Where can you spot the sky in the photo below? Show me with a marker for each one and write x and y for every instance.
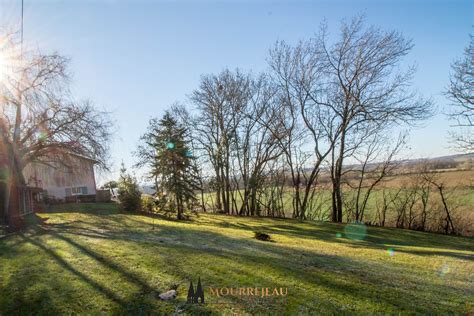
(136, 58)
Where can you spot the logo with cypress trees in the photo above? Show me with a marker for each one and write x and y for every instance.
(195, 297)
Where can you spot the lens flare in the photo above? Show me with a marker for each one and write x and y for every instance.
(10, 62)
(390, 252)
(3, 66)
(170, 145)
(356, 231)
(444, 269)
(338, 235)
(6, 61)
(43, 136)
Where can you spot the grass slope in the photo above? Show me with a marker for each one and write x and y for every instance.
(92, 259)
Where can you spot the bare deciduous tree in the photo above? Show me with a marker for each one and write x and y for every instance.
(461, 92)
(255, 144)
(218, 101)
(434, 180)
(41, 123)
(385, 204)
(374, 163)
(309, 127)
(360, 90)
(233, 128)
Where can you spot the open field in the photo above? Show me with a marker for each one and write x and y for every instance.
(464, 198)
(459, 190)
(92, 259)
(451, 178)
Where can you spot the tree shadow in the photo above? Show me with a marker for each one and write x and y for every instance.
(142, 302)
(67, 266)
(376, 237)
(15, 300)
(195, 242)
(181, 245)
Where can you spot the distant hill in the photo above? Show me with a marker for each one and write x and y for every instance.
(443, 163)
(451, 162)
(454, 159)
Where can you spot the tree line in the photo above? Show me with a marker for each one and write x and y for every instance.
(322, 126)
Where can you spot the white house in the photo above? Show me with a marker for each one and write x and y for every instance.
(64, 182)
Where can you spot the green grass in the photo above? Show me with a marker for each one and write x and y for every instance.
(91, 259)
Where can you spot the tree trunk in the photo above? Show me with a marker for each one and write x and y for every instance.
(179, 202)
(337, 176)
(448, 215)
(6, 202)
(14, 180)
(337, 198)
(334, 204)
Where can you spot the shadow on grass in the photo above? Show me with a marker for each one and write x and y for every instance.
(67, 266)
(143, 302)
(250, 263)
(320, 230)
(17, 299)
(194, 242)
(376, 238)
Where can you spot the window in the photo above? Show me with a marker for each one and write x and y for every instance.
(76, 191)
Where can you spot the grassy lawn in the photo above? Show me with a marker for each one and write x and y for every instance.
(92, 259)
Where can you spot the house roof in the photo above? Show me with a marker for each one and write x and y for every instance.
(84, 157)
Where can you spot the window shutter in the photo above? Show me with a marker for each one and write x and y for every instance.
(68, 192)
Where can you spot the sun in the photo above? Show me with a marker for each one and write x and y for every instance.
(5, 66)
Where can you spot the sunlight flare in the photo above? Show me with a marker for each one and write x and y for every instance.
(3, 66)
(10, 61)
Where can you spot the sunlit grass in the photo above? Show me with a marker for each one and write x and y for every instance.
(92, 259)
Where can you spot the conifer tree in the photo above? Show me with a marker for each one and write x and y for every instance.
(166, 151)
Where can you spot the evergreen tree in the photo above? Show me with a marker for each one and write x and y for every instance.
(166, 151)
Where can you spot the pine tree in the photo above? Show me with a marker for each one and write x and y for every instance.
(165, 149)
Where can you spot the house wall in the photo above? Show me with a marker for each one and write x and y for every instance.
(59, 180)
(3, 180)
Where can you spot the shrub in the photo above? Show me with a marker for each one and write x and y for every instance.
(128, 193)
(148, 204)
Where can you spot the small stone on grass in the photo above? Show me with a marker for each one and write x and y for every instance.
(171, 294)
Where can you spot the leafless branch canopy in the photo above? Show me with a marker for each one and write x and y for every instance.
(461, 93)
(40, 120)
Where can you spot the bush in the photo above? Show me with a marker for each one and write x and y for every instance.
(263, 236)
(148, 204)
(128, 193)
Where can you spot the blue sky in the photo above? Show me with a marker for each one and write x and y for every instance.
(135, 58)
